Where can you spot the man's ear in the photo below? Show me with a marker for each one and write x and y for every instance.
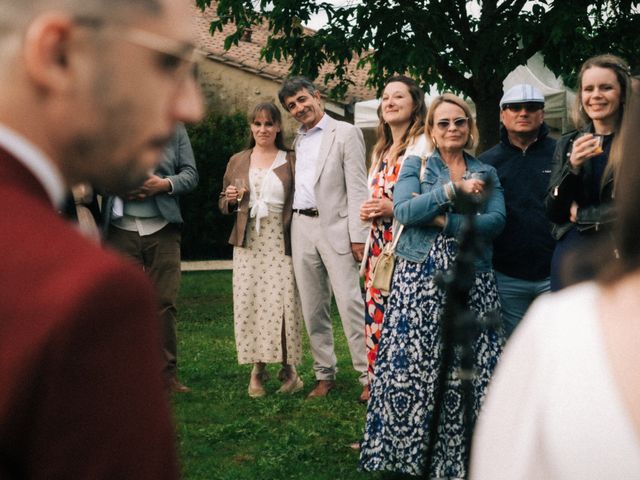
(46, 51)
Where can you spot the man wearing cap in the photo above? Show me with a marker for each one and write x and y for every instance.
(522, 252)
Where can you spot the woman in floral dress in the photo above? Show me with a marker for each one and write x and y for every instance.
(258, 188)
(403, 392)
(400, 133)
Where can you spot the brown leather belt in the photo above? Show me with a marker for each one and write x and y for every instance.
(309, 212)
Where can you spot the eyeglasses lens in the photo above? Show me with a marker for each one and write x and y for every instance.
(529, 107)
(458, 122)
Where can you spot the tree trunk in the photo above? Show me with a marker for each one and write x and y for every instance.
(488, 120)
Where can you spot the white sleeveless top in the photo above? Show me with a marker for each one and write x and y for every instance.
(553, 409)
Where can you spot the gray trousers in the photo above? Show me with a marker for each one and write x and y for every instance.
(319, 270)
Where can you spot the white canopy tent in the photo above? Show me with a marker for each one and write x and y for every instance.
(558, 99)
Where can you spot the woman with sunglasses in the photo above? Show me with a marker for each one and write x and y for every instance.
(579, 202)
(401, 115)
(426, 201)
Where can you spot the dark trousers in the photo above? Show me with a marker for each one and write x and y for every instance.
(159, 256)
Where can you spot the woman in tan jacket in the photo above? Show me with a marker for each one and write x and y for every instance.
(258, 189)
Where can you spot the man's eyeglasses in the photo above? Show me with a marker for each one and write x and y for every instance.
(530, 107)
(179, 57)
(458, 122)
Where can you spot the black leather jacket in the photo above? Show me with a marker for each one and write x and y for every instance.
(567, 186)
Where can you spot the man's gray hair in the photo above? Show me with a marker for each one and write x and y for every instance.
(293, 85)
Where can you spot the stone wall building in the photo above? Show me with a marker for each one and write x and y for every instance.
(236, 79)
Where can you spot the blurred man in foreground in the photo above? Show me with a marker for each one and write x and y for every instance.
(90, 91)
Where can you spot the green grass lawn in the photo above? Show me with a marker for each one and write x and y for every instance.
(224, 434)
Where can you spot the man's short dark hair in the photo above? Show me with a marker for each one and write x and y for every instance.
(293, 85)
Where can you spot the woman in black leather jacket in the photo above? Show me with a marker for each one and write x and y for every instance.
(580, 198)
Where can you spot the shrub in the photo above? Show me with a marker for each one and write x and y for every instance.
(206, 231)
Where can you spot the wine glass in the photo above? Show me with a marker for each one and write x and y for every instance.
(241, 185)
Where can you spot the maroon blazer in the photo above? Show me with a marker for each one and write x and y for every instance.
(81, 388)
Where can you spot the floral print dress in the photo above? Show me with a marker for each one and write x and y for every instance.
(266, 304)
(403, 391)
(381, 233)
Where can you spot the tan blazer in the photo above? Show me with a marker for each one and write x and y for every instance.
(341, 185)
(238, 167)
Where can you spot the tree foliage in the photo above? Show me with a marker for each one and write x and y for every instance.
(467, 47)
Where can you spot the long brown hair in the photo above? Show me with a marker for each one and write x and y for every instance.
(414, 130)
(626, 230)
(620, 68)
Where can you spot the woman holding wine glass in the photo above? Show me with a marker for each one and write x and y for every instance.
(258, 188)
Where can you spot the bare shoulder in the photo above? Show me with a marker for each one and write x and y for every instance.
(620, 323)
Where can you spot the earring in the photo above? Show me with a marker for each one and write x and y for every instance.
(472, 139)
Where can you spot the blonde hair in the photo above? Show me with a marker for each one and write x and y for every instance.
(414, 130)
(472, 139)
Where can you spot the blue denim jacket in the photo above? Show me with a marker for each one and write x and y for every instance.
(415, 212)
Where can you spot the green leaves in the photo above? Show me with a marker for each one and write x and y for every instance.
(447, 43)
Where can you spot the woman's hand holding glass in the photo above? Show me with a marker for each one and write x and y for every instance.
(376, 208)
(469, 186)
(235, 192)
(232, 194)
(585, 147)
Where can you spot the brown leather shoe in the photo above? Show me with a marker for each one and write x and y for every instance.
(364, 396)
(177, 387)
(322, 388)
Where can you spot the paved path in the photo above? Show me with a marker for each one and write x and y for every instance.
(206, 265)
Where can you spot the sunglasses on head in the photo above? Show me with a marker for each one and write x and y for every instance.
(528, 106)
(458, 122)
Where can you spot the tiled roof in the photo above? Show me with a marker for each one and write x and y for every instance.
(246, 55)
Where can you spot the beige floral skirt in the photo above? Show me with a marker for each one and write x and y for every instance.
(265, 297)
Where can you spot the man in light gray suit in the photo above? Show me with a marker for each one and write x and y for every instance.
(327, 236)
(146, 228)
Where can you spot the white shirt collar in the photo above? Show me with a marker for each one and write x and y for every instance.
(321, 125)
(36, 162)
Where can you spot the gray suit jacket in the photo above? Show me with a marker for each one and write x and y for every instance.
(178, 165)
(341, 185)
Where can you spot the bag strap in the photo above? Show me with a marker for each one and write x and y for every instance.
(396, 228)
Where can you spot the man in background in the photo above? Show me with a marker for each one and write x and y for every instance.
(327, 236)
(147, 230)
(522, 252)
(90, 91)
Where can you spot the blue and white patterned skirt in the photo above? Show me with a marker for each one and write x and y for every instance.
(402, 394)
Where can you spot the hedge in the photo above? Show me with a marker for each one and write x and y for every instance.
(206, 231)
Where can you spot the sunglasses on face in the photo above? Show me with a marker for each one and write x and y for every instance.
(458, 122)
(529, 107)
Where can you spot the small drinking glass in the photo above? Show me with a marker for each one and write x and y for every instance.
(241, 186)
(599, 146)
